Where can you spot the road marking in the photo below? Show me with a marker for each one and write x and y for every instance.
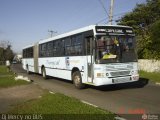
(88, 103)
(119, 118)
(52, 92)
(39, 96)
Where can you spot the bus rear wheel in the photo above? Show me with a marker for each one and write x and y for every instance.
(44, 73)
(77, 80)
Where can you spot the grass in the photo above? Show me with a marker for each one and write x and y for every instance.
(7, 78)
(3, 71)
(154, 76)
(58, 106)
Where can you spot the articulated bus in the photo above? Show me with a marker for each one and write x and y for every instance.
(95, 55)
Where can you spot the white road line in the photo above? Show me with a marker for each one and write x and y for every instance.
(88, 103)
(119, 118)
(52, 92)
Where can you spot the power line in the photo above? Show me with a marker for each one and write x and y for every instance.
(102, 4)
(119, 14)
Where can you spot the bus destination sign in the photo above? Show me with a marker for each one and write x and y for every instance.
(115, 30)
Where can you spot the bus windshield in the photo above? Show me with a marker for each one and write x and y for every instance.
(115, 49)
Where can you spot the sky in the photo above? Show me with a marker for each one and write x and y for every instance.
(24, 22)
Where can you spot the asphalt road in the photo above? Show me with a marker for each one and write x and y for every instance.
(124, 99)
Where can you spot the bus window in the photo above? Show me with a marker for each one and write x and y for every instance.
(50, 49)
(67, 41)
(63, 47)
(79, 39)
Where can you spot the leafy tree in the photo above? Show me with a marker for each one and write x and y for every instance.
(6, 52)
(155, 38)
(144, 19)
(2, 54)
(9, 55)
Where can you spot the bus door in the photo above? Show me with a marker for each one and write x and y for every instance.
(36, 55)
(89, 57)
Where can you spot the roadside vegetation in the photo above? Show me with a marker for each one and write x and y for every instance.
(153, 76)
(58, 106)
(145, 20)
(7, 78)
(3, 71)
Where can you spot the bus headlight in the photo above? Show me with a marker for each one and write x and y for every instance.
(100, 74)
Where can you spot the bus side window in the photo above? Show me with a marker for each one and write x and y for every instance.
(43, 50)
(55, 48)
(60, 48)
(63, 47)
(73, 46)
(76, 48)
(67, 46)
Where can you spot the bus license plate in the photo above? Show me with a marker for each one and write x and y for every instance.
(122, 80)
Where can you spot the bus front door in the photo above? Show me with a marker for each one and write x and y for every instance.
(89, 57)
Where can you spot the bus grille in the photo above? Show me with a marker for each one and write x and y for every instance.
(121, 73)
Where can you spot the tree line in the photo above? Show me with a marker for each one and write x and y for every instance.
(6, 52)
(145, 20)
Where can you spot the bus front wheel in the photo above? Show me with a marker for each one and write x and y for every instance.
(44, 73)
(77, 80)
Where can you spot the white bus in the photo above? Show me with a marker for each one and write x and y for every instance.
(94, 55)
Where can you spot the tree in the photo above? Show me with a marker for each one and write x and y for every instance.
(155, 38)
(9, 55)
(2, 54)
(6, 52)
(144, 19)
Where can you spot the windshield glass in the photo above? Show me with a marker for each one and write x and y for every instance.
(115, 49)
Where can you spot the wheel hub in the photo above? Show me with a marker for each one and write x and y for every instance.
(77, 79)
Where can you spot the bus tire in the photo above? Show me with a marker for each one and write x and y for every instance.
(44, 73)
(77, 80)
(28, 72)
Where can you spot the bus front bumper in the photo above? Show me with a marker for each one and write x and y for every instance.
(115, 80)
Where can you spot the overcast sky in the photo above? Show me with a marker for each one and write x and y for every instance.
(24, 22)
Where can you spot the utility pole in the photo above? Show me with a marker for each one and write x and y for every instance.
(51, 32)
(111, 12)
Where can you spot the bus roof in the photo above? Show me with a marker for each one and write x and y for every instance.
(84, 29)
(91, 27)
(28, 46)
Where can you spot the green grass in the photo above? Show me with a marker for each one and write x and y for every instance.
(7, 78)
(3, 70)
(155, 76)
(58, 106)
(9, 82)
